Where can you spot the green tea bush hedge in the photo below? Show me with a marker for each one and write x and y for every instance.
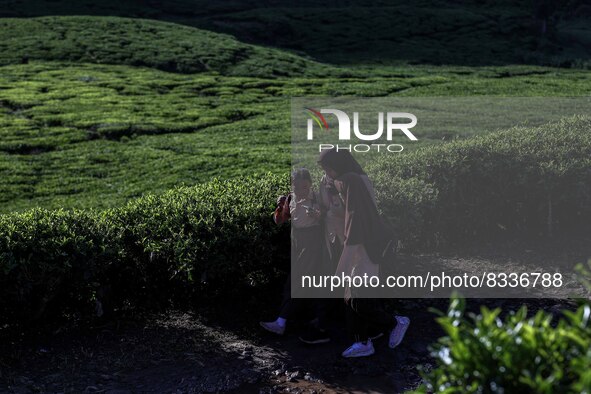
(55, 263)
(159, 248)
(522, 182)
(487, 354)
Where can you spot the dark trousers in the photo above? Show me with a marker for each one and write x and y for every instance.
(367, 317)
(290, 307)
(307, 247)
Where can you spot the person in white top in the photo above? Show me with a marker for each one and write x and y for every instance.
(306, 241)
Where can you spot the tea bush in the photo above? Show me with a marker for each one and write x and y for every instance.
(166, 247)
(522, 182)
(156, 248)
(486, 354)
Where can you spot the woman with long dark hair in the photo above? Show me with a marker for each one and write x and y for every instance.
(363, 231)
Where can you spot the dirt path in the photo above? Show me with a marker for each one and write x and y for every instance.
(221, 351)
(178, 352)
(181, 353)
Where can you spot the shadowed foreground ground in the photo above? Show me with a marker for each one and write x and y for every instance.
(223, 350)
(181, 353)
(178, 352)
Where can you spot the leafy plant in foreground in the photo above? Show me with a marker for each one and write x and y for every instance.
(483, 353)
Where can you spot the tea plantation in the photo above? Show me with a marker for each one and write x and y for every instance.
(169, 242)
(138, 149)
(76, 133)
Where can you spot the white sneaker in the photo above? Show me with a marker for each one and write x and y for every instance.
(273, 326)
(359, 349)
(397, 334)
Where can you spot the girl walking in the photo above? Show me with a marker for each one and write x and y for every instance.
(302, 207)
(363, 231)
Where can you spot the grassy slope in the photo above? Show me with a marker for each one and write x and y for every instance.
(86, 135)
(96, 135)
(160, 45)
(467, 32)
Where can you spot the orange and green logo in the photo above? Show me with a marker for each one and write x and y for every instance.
(318, 118)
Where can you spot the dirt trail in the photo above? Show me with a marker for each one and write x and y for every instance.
(223, 351)
(178, 352)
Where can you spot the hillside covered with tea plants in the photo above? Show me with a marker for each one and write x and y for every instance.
(159, 248)
(100, 113)
(143, 145)
(370, 32)
(95, 111)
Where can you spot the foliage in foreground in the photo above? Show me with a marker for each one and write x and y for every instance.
(483, 353)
